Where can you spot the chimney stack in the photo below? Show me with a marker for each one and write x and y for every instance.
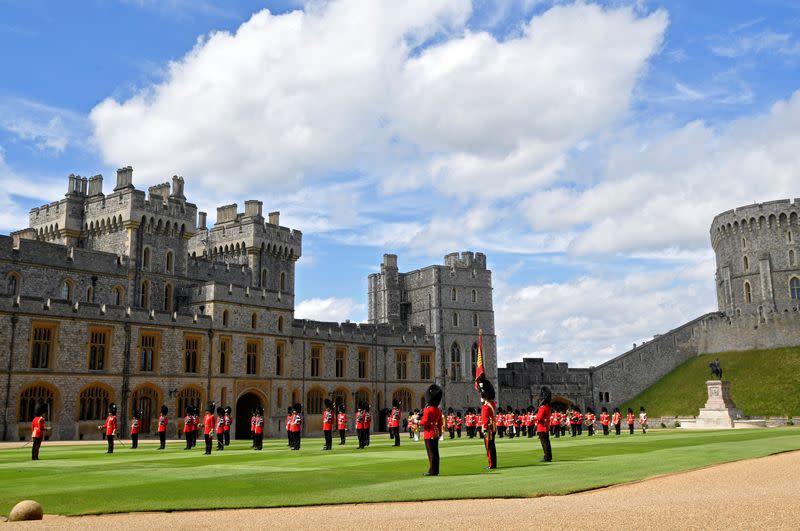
(124, 178)
(274, 218)
(202, 223)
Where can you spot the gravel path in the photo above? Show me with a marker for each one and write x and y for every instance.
(754, 494)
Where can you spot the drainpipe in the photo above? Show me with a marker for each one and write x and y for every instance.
(14, 320)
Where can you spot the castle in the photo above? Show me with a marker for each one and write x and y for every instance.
(758, 295)
(131, 298)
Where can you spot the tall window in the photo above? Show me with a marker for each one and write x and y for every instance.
(12, 286)
(168, 297)
(401, 364)
(146, 257)
(191, 353)
(89, 294)
(746, 263)
(144, 296)
(404, 397)
(30, 397)
(455, 319)
(363, 365)
(314, 402)
(794, 288)
(66, 290)
(279, 396)
(279, 358)
(474, 358)
(263, 278)
(119, 296)
(340, 354)
(280, 323)
(789, 236)
(252, 350)
(225, 318)
(43, 337)
(425, 366)
(454, 294)
(474, 296)
(188, 396)
(254, 320)
(283, 281)
(791, 257)
(98, 348)
(455, 362)
(93, 403)
(224, 354)
(747, 295)
(148, 348)
(475, 319)
(316, 360)
(169, 261)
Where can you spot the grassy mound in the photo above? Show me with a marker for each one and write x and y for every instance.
(84, 480)
(763, 383)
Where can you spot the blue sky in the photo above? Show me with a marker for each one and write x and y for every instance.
(584, 147)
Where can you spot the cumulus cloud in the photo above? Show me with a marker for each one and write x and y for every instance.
(330, 309)
(48, 128)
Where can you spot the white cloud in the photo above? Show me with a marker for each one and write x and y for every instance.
(330, 309)
(757, 43)
(48, 128)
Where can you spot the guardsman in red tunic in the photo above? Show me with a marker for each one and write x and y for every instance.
(643, 419)
(367, 423)
(187, 427)
(289, 419)
(258, 428)
(38, 429)
(136, 423)
(574, 421)
(616, 420)
(327, 425)
(208, 427)
(163, 421)
(529, 424)
(630, 418)
(220, 428)
(360, 425)
(541, 420)
(296, 425)
(110, 427)
(589, 420)
(604, 420)
(451, 423)
(509, 421)
(488, 421)
(228, 421)
(394, 422)
(518, 422)
(195, 424)
(432, 426)
(459, 423)
(341, 424)
(554, 431)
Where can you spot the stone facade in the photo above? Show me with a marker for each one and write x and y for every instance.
(133, 299)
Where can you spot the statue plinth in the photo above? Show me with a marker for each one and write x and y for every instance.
(720, 411)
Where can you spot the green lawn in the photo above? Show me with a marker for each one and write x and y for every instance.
(763, 383)
(84, 480)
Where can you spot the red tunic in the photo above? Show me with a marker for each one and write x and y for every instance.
(297, 422)
(111, 425)
(459, 422)
(616, 418)
(431, 422)
(220, 424)
(187, 424)
(359, 420)
(37, 427)
(162, 423)
(135, 427)
(258, 425)
(630, 418)
(227, 422)
(451, 421)
(394, 418)
(208, 424)
(327, 420)
(487, 416)
(542, 418)
(367, 420)
(341, 420)
(604, 418)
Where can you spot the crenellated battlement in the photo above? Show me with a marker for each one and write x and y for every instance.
(759, 216)
(384, 334)
(465, 260)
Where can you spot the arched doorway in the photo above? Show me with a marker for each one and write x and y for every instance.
(244, 410)
(147, 400)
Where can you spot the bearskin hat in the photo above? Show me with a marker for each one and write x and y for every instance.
(458, 413)
(576, 409)
(210, 407)
(450, 410)
(486, 389)
(516, 411)
(641, 408)
(298, 408)
(328, 404)
(589, 410)
(362, 405)
(433, 396)
(341, 408)
(112, 408)
(41, 409)
(509, 410)
(366, 405)
(545, 396)
(289, 410)
(616, 410)
(259, 411)
(137, 414)
(395, 402)
(530, 409)
(416, 411)
(228, 410)
(164, 409)
(604, 410)
(220, 410)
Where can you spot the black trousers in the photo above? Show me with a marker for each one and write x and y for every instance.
(162, 439)
(605, 429)
(531, 430)
(491, 451)
(134, 440)
(194, 438)
(544, 438)
(432, 446)
(220, 440)
(630, 427)
(290, 439)
(591, 430)
(557, 431)
(328, 438)
(342, 436)
(295, 439)
(458, 432)
(188, 436)
(580, 429)
(258, 441)
(366, 436)
(452, 432)
(617, 428)
(500, 431)
(361, 438)
(227, 437)
(209, 440)
(396, 436)
(37, 443)
(110, 441)
(574, 428)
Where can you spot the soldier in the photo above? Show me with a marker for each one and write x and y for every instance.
(253, 415)
(135, 424)
(258, 429)
(220, 428)
(529, 423)
(459, 423)
(631, 419)
(394, 422)
(163, 420)
(554, 431)
(643, 419)
(297, 426)
(488, 422)
(289, 420)
(360, 425)
(413, 425)
(432, 425)
(228, 421)
(38, 429)
(110, 427)
(187, 427)
(616, 420)
(518, 422)
(589, 420)
(451, 423)
(509, 422)
(208, 427)
(542, 416)
(341, 424)
(367, 423)
(604, 419)
(574, 421)
(327, 425)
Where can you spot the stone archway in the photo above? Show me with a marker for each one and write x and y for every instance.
(248, 401)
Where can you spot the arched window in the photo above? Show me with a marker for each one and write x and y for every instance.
(93, 403)
(794, 288)
(146, 257)
(339, 396)
(474, 296)
(606, 397)
(314, 402)
(263, 278)
(280, 323)
(13, 283)
(455, 319)
(119, 295)
(405, 397)
(747, 294)
(191, 354)
(474, 319)
(225, 317)
(145, 399)
(169, 261)
(744, 243)
(454, 294)
(252, 350)
(279, 358)
(789, 236)
(455, 362)
(254, 320)
(283, 281)
(66, 290)
(144, 296)
(32, 395)
(474, 358)
(362, 395)
(746, 263)
(188, 396)
(168, 297)
(791, 257)
(89, 294)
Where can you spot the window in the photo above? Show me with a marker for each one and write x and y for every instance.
(475, 319)
(791, 257)
(455, 362)
(340, 354)
(119, 296)
(279, 358)
(600, 397)
(99, 339)
(146, 400)
(254, 320)
(252, 349)
(43, 339)
(747, 295)
(263, 278)
(474, 359)
(279, 397)
(746, 264)
(401, 364)
(12, 285)
(148, 347)
(66, 290)
(606, 397)
(144, 296)
(191, 353)
(794, 288)
(146, 258)
(455, 319)
(363, 364)
(188, 396)
(224, 353)
(283, 281)
(93, 403)
(474, 296)
(280, 323)
(744, 243)
(168, 297)
(362, 395)
(225, 318)
(405, 398)
(316, 360)
(314, 402)
(30, 397)
(454, 294)
(339, 396)
(425, 366)
(169, 261)
(789, 236)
